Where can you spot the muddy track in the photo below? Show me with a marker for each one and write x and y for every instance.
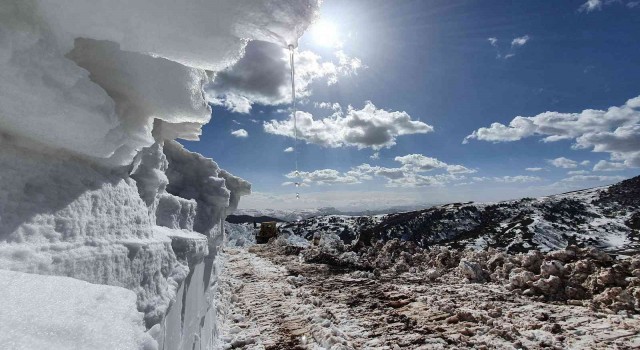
(288, 304)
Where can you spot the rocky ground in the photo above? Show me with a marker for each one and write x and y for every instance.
(402, 297)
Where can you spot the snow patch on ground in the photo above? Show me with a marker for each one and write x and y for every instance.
(52, 312)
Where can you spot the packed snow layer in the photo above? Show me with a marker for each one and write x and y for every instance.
(52, 312)
(60, 215)
(92, 95)
(193, 176)
(176, 212)
(206, 34)
(110, 68)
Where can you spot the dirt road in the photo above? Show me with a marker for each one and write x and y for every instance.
(276, 301)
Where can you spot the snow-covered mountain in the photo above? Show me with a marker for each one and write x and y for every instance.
(301, 214)
(604, 217)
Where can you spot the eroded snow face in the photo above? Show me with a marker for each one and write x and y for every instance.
(91, 77)
(89, 93)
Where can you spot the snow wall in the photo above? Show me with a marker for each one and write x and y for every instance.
(92, 184)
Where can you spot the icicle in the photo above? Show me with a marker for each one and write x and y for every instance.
(295, 117)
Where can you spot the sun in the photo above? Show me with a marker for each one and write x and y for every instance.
(325, 33)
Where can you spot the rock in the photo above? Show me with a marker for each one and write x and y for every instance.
(466, 331)
(472, 271)
(548, 286)
(606, 277)
(496, 260)
(562, 255)
(432, 274)
(452, 319)
(531, 261)
(552, 328)
(599, 255)
(521, 278)
(551, 268)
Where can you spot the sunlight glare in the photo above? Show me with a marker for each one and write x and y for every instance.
(325, 34)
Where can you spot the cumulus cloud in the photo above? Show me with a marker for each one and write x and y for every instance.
(328, 105)
(263, 76)
(508, 179)
(563, 162)
(288, 149)
(533, 169)
(368, 127)
(323, 177)
(580, 178)
(242, 133)
(604, 165)
(578, 172)
(410, 173)
(520, 41)
(615, 131)
(232, 102)
(518, 179)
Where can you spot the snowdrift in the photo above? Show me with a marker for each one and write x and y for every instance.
(93, 185)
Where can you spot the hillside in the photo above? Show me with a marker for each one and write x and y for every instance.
(605, 217)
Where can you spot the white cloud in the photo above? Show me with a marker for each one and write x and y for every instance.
(520, 41)
(324, 177)
(563, 162)
(615, 131)
(591, 5)
(288, 149)
(328, 105)
(533, 169)
(508, 179)
(232, 102)
(518, 179)
(493, 41)
(409, 174)
(585, 162)
(375, 155)
(262, 76)
(603, 165)
(578, 172)
(368, 127)
(577, 178)
(242, 133)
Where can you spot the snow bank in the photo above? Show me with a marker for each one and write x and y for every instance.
(51, 312)
(92, 95)
(110, 68)
(240, 235)
(193, 176)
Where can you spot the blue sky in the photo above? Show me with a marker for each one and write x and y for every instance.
(456, 67)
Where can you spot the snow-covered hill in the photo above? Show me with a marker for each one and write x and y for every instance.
(605, 217)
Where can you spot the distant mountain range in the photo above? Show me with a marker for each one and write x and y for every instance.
(604, 217)
(295, 215)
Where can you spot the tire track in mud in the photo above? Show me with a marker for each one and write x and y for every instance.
(268, 310)
(285, 303)
(407, 311)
